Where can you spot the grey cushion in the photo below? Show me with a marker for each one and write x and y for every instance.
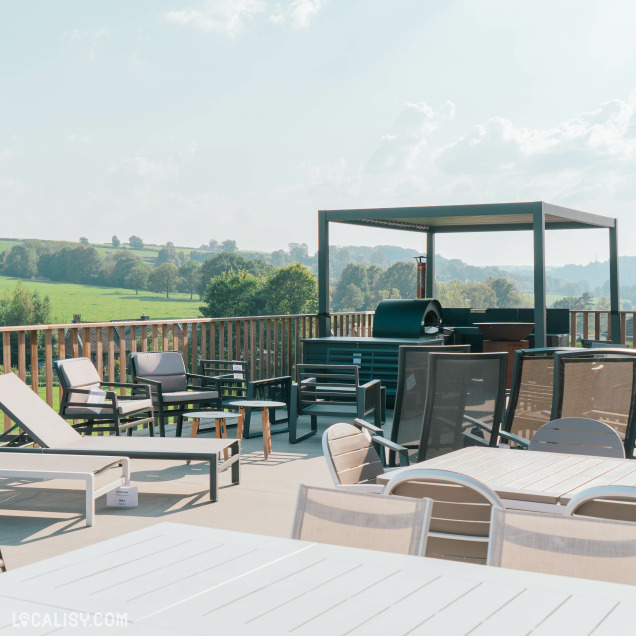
(166, 367)
(189, 396)
(78, 373)
(124, 407)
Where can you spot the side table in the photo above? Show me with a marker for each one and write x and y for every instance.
(264, 405)
(220, 423)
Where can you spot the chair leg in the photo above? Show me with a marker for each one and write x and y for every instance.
(179, 424)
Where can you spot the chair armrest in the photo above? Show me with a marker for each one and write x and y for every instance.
(472, 421)
(516, 439)
(155, 385)
(368, 389)
(139, 386)
(197, 376)
(268, 381)
(392, 446)
(372, 428)
(477, 441)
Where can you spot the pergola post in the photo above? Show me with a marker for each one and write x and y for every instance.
(538, 230)
(615, 318)
(323, 275)
(430, 264)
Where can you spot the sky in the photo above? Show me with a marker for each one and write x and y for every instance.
(190, 120)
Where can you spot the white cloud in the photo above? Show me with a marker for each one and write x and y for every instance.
(413, 126)
(231, 16)
(78, 139)
(298, 14)
(11, 186)
(93, 36)
(219, 15)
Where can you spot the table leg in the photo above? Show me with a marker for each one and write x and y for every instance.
(241, 419)
(221, 432)
(195, 427)
(267, 435)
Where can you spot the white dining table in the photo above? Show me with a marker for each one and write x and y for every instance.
(532, 480)
(171, 579)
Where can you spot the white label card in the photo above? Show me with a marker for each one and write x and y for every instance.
(123, 497)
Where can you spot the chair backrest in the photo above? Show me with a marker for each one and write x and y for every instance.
(333, 385)
(232, 376)
(583, 547)
(460, 522)
(605, 502)
(460, 385)
(77, 373)
(578, 436)
(362, 520)
(410, 396)
(599, 384)
(531, 390)
(350, 455)
(33, 415)
(601, 344)
(166, 367)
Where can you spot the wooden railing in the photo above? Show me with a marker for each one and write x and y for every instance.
(271, 345)
(595, 325)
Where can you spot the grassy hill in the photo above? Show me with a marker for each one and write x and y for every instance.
(97, 304)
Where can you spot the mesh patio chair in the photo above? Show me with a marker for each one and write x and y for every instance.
(570, 546)
(84, 399)
(605, 502)
(598, 384)
(578, 436)
(173, 389)
(410, 396)
(465, 398)
(334, 390)
(362, 520)
(531, 390)
(353, 460)
(460, 521)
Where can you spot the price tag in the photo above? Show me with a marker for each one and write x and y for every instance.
(357, 358)
(237, 367)
(123, 497)
(410, 382)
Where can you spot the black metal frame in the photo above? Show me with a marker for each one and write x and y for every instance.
(221, 375)
(111, 421)
(362, 397)
(403, 351)
(607, 355)
(500, 401)
(163, 410)
(257, 390)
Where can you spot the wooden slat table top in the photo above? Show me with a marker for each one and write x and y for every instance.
(178, 579)
(534, 476)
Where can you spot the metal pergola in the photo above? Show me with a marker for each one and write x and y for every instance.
(493, 217)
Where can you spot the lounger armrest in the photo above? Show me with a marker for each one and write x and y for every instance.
(522, 442)
(372, 428)
(392, 446)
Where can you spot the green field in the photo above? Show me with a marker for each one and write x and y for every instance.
(97, 304)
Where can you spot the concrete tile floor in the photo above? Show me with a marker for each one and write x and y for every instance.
(42, 519)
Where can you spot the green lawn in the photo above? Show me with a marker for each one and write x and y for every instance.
(97, 304)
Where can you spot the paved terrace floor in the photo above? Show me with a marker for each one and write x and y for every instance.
(42, 519)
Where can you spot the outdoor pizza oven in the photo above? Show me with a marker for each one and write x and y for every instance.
(401, 318)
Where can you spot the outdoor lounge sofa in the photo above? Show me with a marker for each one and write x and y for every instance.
(63, 467)
(47, 429)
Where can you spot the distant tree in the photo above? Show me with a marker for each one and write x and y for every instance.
(167, 254)
(135, 242)
(506, 293)
(228, 246)
(213, 245)
(189, 273)
(116, 242)
(291, 290)
(122, 263)
(299, 252)
(74, 265)
(351, 298)
(164, 278)
(279, 258)
(401, 276)
(138, 277)
(22, 307)
(584, 301)
(83, 240)
(21, 262)
(231, 294)
(353, 274)
(225, 262)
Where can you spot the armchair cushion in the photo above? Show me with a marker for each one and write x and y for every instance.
(166, 367)
(189, 396)
(124, 407)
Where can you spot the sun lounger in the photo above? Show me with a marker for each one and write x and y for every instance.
(30, 466)
(47, 429)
